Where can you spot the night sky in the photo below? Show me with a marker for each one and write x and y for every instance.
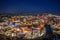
(30, 6)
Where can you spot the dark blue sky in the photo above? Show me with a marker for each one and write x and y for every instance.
(29, 6)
